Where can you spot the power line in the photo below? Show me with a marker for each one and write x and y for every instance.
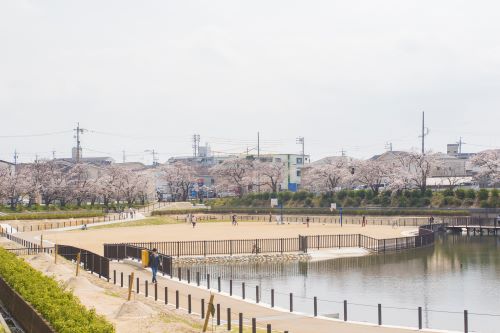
(33, 135)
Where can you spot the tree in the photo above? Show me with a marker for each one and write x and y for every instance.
(12, 186)
(372, 173)
(270, 174)
(179, 178)
(234, 173)
(488, 163)
(413, 169)
(328, 177)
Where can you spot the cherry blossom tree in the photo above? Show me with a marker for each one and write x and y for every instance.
(373, 173)
(488, 163)
(269, 174)
(179, 178)
(12, 186)
(412, 169)
(329, 176)
(234, 174)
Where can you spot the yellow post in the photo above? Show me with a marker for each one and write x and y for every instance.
(77, 262)
(55, 254)
(210, 311)
(130, 284)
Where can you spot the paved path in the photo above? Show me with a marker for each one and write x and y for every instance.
(280, 320)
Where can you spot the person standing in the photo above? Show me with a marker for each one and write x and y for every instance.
(270, 217)
(307, 221)
(235, 221)
(193, 222)
(363, 224)
(155, 262)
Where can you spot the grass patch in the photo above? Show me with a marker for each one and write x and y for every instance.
(140, 223)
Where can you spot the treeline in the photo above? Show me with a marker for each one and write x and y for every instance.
(458, 198)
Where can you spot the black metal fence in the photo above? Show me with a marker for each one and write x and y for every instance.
(123, 251)
(26, 251)
(91, 262)
(272, 245)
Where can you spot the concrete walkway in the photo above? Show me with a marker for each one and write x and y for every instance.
(280, 319)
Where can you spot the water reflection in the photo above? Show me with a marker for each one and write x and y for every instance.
(459, 272)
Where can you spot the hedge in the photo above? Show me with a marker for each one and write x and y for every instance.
(49, 216)
(319, 211)
(60, 308)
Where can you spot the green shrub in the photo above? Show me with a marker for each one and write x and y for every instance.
(460, 193)
(60, 308)
(341, 195)
(470, 194)
(482, 194)
(494, 193)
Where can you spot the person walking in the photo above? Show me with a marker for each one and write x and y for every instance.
(193, 222)
(270, 217)
(235, 221)
(307, 221)
(154, 262)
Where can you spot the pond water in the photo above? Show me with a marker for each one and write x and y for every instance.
(458, 273)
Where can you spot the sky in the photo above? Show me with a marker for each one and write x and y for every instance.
(345, 75)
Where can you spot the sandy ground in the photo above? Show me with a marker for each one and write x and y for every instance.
(93, 240)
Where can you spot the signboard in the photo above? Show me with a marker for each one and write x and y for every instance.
(274, 202)
(333, 206)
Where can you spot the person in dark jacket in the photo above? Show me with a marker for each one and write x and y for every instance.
(155, 263)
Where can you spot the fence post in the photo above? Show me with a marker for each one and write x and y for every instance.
(177, 299)
(256, 294)
(419, 317)
(198, 279)
(179, 273)
(189, 303)
(121, 279)
(189, 276)
(146, 286)
(272, 298)
(166, 295)
(243, 290)
(291, 302)
(218, 314)
(230, 287)
(137, 285)
(240, 322)
(202, 308)
(156, 291)
(114, 276)
(254, 325)
(229, 319)
(218, 284)
(345, 310)
(380, 314)
(315, 306)
(269, 328)
(208, 281)
(466, 321)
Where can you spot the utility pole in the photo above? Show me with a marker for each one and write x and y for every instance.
(300, 140)
(154, 153)
(258, 158)
(16, 155)
(53, 154)
(196, 145)
(78, 145)
(423, 135)
(123, 156)
(388, 146)
(460, 143)
(258, 144)
(343, 152)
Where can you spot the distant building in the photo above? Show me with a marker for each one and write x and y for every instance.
(294, 163)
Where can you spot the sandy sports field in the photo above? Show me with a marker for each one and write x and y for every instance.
(93, 240)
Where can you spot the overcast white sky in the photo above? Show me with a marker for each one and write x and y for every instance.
(350, 74)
